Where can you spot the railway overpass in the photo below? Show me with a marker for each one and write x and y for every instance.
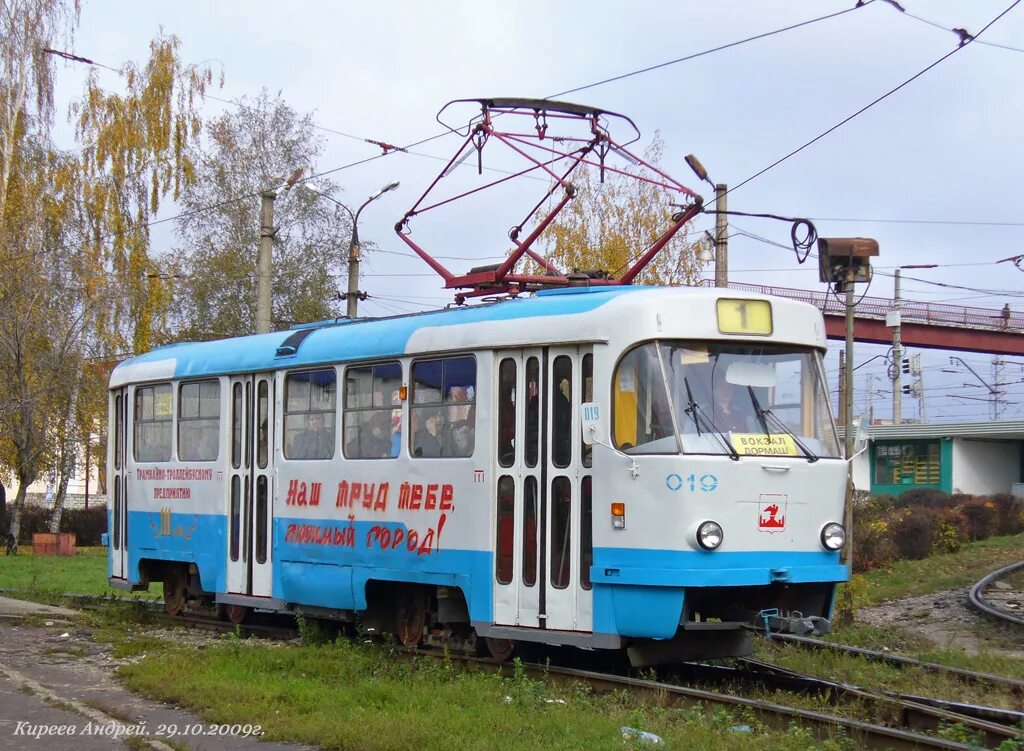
(924, 325)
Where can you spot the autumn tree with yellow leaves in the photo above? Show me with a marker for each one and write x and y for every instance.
(79, 286)
(609, 224)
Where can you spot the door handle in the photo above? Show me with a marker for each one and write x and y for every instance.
(775, 467)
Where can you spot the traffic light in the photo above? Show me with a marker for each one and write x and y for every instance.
(906, 365)
(906, 390)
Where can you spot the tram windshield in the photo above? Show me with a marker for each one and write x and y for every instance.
(723, 398)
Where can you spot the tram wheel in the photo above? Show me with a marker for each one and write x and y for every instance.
(238, 613)
(174, 590)
(410, 616)
(500, 649)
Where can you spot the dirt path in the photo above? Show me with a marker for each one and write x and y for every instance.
(945, 619)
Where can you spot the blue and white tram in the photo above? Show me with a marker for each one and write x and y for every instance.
(602, 467)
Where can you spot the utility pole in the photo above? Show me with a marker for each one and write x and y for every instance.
(352, 298)
(842, 389)
(897, 354)
(264, 261)
(721, 237)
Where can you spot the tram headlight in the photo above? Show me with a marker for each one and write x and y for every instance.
(833, 536)
(710, 535)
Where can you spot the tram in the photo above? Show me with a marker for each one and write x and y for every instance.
(600, 467)
(575, 460)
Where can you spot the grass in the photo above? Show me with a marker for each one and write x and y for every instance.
(938, 572)
(353, 695)
(47, 577)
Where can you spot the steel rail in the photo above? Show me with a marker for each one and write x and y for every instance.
(777, 716)
(919, 713)
(976, 596)
(1013, 684)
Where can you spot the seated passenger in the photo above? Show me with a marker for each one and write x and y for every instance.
(374, 439)
(427, 441)
(315, 442)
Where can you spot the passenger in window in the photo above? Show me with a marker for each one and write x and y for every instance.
(376, 437)
(428, 439)
(315, 442)
(562, 417)
(461, 435)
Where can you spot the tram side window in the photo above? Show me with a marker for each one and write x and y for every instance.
(199, 421)
(373, 411)
(309, 411)
(443, 413)
(153, 420)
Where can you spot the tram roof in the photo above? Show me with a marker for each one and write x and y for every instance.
(369, 338)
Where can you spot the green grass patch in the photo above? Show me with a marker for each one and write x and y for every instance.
(358, 696)
(937, 573)
(46, 577)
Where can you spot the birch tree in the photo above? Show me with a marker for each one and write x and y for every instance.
(250, 149)
(78, 282)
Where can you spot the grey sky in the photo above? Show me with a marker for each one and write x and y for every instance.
(947, 147)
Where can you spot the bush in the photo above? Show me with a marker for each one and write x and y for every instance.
(982, 516)
(1011, 514)
(929, 497)
(952, 531)
(873, 546)
(914, 531)
(87, 524)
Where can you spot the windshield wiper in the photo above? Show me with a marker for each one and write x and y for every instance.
(699, 417)
(763, 415)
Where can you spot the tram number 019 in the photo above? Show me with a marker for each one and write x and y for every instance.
(706, 483)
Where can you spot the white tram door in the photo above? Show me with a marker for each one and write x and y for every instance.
(119, 483)
(543, 535)
(251, 485)
(519, 473)
(566, 515)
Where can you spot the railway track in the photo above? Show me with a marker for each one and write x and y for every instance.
(1014, 685)
(995, 604)
(909, 719)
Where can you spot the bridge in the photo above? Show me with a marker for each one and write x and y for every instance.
(924, 325)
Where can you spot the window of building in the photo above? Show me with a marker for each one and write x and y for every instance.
(199, 421)
(916, 463)
(373, 411)
(153, 421)
(309, 412)
(443, 412)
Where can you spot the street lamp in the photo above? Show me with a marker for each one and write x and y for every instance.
(353, 294)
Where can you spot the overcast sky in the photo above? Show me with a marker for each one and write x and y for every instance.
(946, 148)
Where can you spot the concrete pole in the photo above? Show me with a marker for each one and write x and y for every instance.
(721, 237)
(897, 356)
(352, 298)
(264, 262)
(849, 362)
(842, 388)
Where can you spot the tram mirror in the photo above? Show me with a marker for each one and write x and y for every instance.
(860, 438)
(590, 419)
(756, 374)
